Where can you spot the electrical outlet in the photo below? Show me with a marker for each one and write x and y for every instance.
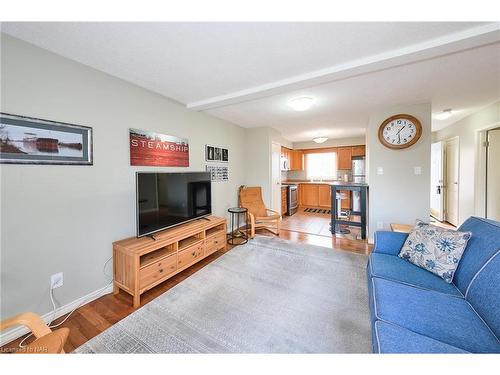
(417, 170)
(380, 170)
(380, 225)
(56, 280)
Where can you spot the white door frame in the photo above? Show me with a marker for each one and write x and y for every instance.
(438, 213)
(486, 174)
(446, 216)
(480, 170)
(276, 177)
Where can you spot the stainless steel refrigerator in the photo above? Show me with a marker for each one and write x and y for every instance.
(358, 175)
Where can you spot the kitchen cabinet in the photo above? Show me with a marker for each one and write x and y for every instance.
(315, 195)
(283, 200)
(344, 157)
(324, 196)
(358, 150)
(296, 160)
(345, 203)
(309, 195)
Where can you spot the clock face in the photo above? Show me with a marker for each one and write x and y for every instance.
(400, 131)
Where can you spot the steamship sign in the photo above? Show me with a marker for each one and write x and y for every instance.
(159, 150)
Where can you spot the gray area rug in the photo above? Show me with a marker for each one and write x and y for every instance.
(268, 296)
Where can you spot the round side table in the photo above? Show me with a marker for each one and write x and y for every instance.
(241, 236)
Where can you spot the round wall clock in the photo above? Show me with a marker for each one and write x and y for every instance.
(400, 131)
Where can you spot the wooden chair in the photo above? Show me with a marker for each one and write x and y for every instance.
(260, 216)
(47, 341)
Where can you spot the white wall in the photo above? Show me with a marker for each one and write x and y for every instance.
(471, 179)
(258, 142)
(64, 218)
(277, 137)
(398, 196)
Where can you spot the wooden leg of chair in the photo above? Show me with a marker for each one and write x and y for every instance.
(278, 225)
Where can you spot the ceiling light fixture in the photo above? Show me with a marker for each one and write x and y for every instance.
(301, 103)
(320, 139)
(446, 114)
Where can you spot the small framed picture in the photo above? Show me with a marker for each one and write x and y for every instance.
(217, 154)
(218, 173)
(209, 153)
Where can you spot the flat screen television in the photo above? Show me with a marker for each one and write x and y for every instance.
(168, 199)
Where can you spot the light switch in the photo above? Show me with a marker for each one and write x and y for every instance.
(417, 170)
(380, 170)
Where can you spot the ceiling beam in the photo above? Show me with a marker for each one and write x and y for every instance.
(453, 43)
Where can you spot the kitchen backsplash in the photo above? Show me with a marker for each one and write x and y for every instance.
(302, 175)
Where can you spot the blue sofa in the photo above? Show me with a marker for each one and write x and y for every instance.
(415, 311)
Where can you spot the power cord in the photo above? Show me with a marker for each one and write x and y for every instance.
(54, 308)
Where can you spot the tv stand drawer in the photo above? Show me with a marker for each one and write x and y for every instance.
(157, 271)
(190, 255)
(214, 243)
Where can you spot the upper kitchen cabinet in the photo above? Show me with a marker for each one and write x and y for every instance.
(344, 157)
(358, 150)
(292, 160)
(296, 160)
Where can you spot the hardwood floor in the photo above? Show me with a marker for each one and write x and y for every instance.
(91, 319)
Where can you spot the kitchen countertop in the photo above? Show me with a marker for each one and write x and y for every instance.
(337, 183)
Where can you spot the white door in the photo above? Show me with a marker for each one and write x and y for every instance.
(451, 181)
(276, 178)
(493, 175)
(437, 193)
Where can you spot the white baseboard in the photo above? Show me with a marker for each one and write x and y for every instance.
(19, 331)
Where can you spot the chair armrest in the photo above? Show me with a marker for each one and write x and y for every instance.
(389, 242)
(30, 320)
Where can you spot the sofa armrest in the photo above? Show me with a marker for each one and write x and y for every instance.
(389, 242)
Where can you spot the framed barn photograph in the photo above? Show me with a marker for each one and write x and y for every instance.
(28, 140)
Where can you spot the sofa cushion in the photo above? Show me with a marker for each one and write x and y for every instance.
(483, 293)
(436, 315)
(390, 338)
(396, 269)
(438, 250)
(484, 243)
(387, 242)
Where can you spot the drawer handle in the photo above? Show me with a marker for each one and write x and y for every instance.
(172, 267)
(161, 270)
(193, 253)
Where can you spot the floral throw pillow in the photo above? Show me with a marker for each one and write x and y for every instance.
(435, 249)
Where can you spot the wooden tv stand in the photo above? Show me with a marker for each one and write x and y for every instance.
(140, 264)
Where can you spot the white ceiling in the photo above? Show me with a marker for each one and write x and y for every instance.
(246, 72)
(466, 82)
